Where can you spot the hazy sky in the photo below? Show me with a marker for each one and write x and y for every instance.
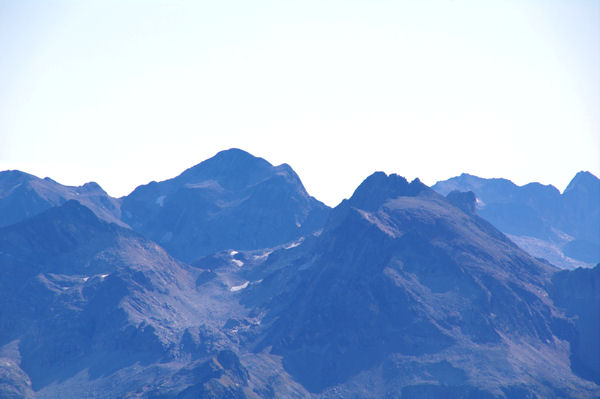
(124, 92)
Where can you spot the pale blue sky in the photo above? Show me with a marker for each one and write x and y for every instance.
(124, 92)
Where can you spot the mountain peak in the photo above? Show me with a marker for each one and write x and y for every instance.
(92, 186)
(232, 168)
(232, 200)
(11, 178)
(15, 173)
(234, 152)
(237, 156)
(379, 187)
(583, 180)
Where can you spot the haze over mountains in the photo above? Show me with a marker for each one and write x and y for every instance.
(231, 281)
(563, 228)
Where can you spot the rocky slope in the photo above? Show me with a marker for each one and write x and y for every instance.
(404, 292)
(91, 309)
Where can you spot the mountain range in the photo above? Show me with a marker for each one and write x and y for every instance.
(230, 281)
(563, 228)
(23, 195)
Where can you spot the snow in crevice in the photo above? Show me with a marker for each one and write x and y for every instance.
(103, 276)
(233, 252)
(239, 287)
(294, 244)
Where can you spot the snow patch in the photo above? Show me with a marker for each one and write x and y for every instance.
(233, 253)
(206, 184)
(103, 276)
(298, 224)
(237, 262)
(294, 244)
(263, 255)
(547, 250)
(85, 279)
(160, 201)
(239, 287)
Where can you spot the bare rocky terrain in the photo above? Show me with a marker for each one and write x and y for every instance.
(398, 292)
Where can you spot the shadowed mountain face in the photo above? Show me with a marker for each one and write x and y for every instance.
(23, 195)
(578, 293)
(233, 200)
(563, 228)
(407, 291)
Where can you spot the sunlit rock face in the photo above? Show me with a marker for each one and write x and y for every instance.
(411, 293)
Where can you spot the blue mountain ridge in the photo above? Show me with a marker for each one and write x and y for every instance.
(230, 281)
(563, 228)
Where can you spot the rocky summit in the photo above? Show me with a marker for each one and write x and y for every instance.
(232, 200)
(230, 281)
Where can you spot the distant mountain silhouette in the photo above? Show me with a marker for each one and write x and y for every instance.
(563, 228)
(232, 200)
(23, 195)
(414, 295)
